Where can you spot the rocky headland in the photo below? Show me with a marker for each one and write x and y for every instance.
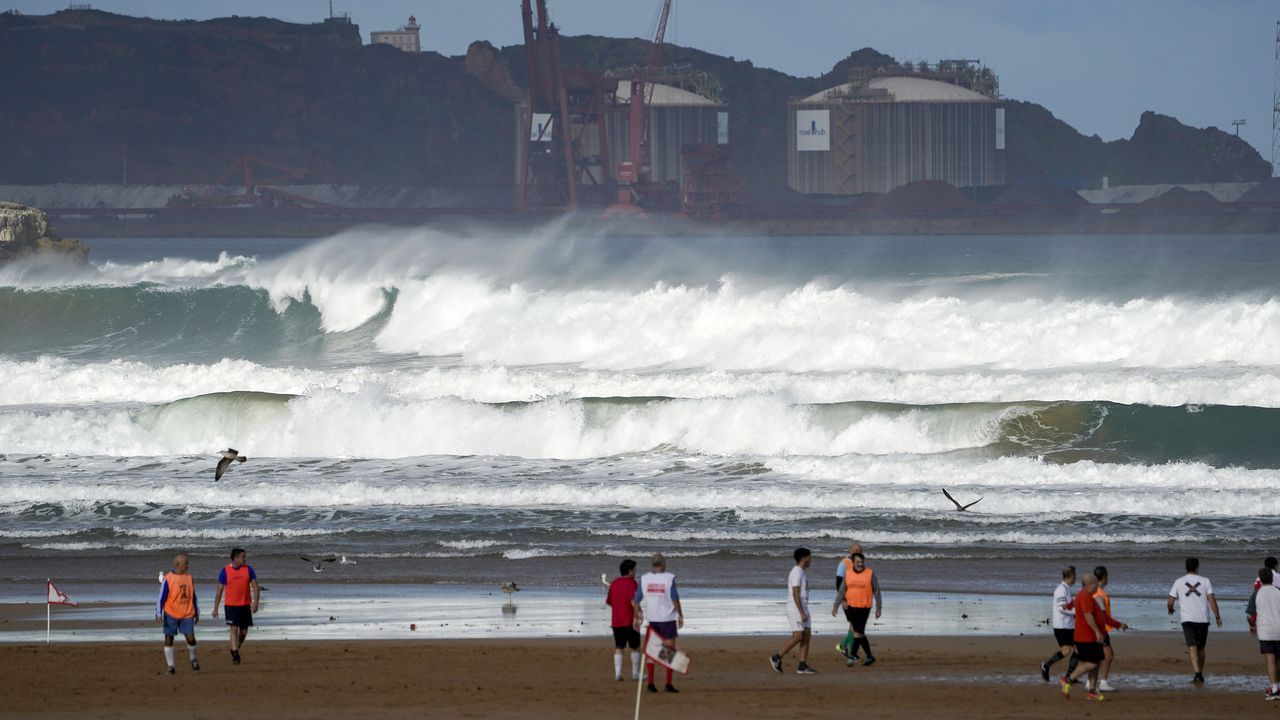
(25, 232)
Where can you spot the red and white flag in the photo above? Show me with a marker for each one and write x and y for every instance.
(664, 655)
(57, 597)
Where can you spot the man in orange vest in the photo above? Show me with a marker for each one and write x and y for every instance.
(177, 610)
(859, 591)
(241, 584)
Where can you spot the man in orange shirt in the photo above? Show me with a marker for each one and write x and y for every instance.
(1108, 650)
(241, 584)
(859, 592)
(1091, 624)
(177, 610)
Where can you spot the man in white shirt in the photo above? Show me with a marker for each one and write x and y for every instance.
(658, 602)
(1194, 595)
(1264, 614)
(1063, 622)
(798, 617)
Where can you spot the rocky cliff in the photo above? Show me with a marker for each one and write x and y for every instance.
(25, 232)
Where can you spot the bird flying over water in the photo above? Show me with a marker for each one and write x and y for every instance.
(959, 507)
(318, 563)
(229, 456)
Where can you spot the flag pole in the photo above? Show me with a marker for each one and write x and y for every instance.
(644, 662)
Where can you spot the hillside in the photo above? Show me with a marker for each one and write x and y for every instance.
(184, 99)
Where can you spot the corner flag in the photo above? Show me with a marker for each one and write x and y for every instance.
(57, 597)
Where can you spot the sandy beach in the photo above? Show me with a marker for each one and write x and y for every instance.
(571, 678)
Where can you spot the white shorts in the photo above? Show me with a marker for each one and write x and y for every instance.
(796, 624)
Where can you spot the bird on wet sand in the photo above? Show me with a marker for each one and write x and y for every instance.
(344, 561)
(229, 456)
(959, 507)
(604, 579)
(510, 586)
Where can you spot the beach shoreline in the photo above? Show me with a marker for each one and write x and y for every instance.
(969, 677)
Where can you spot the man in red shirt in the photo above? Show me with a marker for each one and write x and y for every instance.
(621, 591)
(1091, 629)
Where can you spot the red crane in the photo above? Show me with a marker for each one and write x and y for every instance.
(634, 180)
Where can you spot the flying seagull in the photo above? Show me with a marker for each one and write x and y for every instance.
(318, 563)
(959, 507)
(229, 456)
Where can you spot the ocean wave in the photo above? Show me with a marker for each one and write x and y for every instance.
(52, 380)
(369, 423)
(1019, 487)
(400, 295)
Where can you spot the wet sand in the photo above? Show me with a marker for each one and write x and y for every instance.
(572, 678)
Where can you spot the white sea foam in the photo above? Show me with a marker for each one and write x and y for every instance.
(370, 424)
(1017, 487)
(57, 381)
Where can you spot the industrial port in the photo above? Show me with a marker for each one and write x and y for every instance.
(886, 148)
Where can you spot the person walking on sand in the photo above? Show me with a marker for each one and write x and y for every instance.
(1264, 609)
(177, 610)
(1194, 595)
(846, 647)
(1270, 564)
(1063, 622)
(1088, 636)
(619, 596)
(798, 618)
(859, 590)
(241, 585)
(1108, 650)
(658, 602)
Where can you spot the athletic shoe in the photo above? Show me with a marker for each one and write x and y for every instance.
(1044, 671)
(869, 661)
(617, 678)
(844, 650)
(1096, 697)
(850, 662)
(235, 657)
(652, 688)
(1198, 678)
(1065, 682)
(172, 671)
(1270, 695)
(195, 666)
(775, 662)
(672, 688)
(804, 669)
(1104, 686)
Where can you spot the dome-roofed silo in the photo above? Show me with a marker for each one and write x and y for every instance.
(874, 134)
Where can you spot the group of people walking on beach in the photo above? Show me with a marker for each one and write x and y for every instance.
(1082, 622)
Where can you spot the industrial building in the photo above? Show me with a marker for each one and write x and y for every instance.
(876, 133)
(676, 118)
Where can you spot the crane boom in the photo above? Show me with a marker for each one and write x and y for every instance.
(633, 172)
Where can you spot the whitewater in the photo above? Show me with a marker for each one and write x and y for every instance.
(574, 393)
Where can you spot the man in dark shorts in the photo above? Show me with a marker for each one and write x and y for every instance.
(859, 592)
(1090, 632)
(1194, 595)
(621, 593)
(240, 583)
(1063, 622)
(657, 601)
(1264, 611)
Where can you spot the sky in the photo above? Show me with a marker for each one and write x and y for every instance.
(1097, 64)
